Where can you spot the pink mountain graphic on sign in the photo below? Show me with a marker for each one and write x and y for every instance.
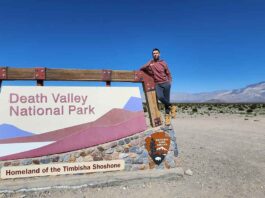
(114, 125)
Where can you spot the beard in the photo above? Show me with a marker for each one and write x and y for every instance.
(156, 58)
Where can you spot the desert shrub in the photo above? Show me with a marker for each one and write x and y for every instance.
(210, 108)
(194, 110)
(184, 107)
(221, 112)
(253, 106)
(240, 109)
(249, 111)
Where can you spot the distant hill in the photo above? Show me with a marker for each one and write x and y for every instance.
(10, 131)
(254, 93)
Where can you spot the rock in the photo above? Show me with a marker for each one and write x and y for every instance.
(97, 158)
(77, 154)
(128, 160)
(170, 159)
(126, 150)
(133, 155)
(188, 172)
(65, 158)
(167, 165)
(113, 144)
(142, 143)
(136, 137)
(121, 142)
(144, 154)
(135, 149)
(109, 151)
(106, 146)
(178, 162)
(166, 128)
(172, 135)
(83, 154)
(139, 151)
(171, 148)
(148, 133)
(142, 158)
(72, 158)
(142, 135)
(143, 167)
(119, 149)
(90, 150)
(176, 152)
(151, 164)
(107, 157)
(36, 161)
(55, 159)
(123, 155)
(88, 158)
(134, 143)
(100, 148)
(7, 163)
(127, 140)
(138, 160)
(26, 162)
(115, 156)
(97, 155)
(16, 163)
(80, 159)
(146, 160)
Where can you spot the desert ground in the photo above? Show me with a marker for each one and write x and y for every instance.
(223, 146)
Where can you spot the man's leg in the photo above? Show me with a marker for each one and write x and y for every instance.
(169, 108)
(160, 91)
(167, 87)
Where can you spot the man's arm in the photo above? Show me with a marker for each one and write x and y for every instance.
(146, 68)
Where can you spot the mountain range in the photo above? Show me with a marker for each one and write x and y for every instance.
(10, 131)
(254, 93)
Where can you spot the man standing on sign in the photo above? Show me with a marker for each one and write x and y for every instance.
(158, 69)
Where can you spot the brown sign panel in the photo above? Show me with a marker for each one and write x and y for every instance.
(157, 146)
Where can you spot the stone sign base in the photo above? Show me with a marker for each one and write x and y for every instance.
(131, 149)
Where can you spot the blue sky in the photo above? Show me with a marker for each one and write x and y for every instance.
(208, 45)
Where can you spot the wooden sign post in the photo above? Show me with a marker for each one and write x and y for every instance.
(42, 74)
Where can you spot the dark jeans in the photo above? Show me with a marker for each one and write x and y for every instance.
(163, 94)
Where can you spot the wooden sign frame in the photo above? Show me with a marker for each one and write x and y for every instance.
(42, 74)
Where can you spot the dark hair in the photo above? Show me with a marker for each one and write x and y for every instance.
(156, 49)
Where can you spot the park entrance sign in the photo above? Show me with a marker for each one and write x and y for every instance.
(48, 130)
(40, 121)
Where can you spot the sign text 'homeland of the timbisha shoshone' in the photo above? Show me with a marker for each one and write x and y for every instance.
(40, 121)
(61, 169)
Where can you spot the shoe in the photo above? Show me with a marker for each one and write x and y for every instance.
(167, 120)
(173, 111)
